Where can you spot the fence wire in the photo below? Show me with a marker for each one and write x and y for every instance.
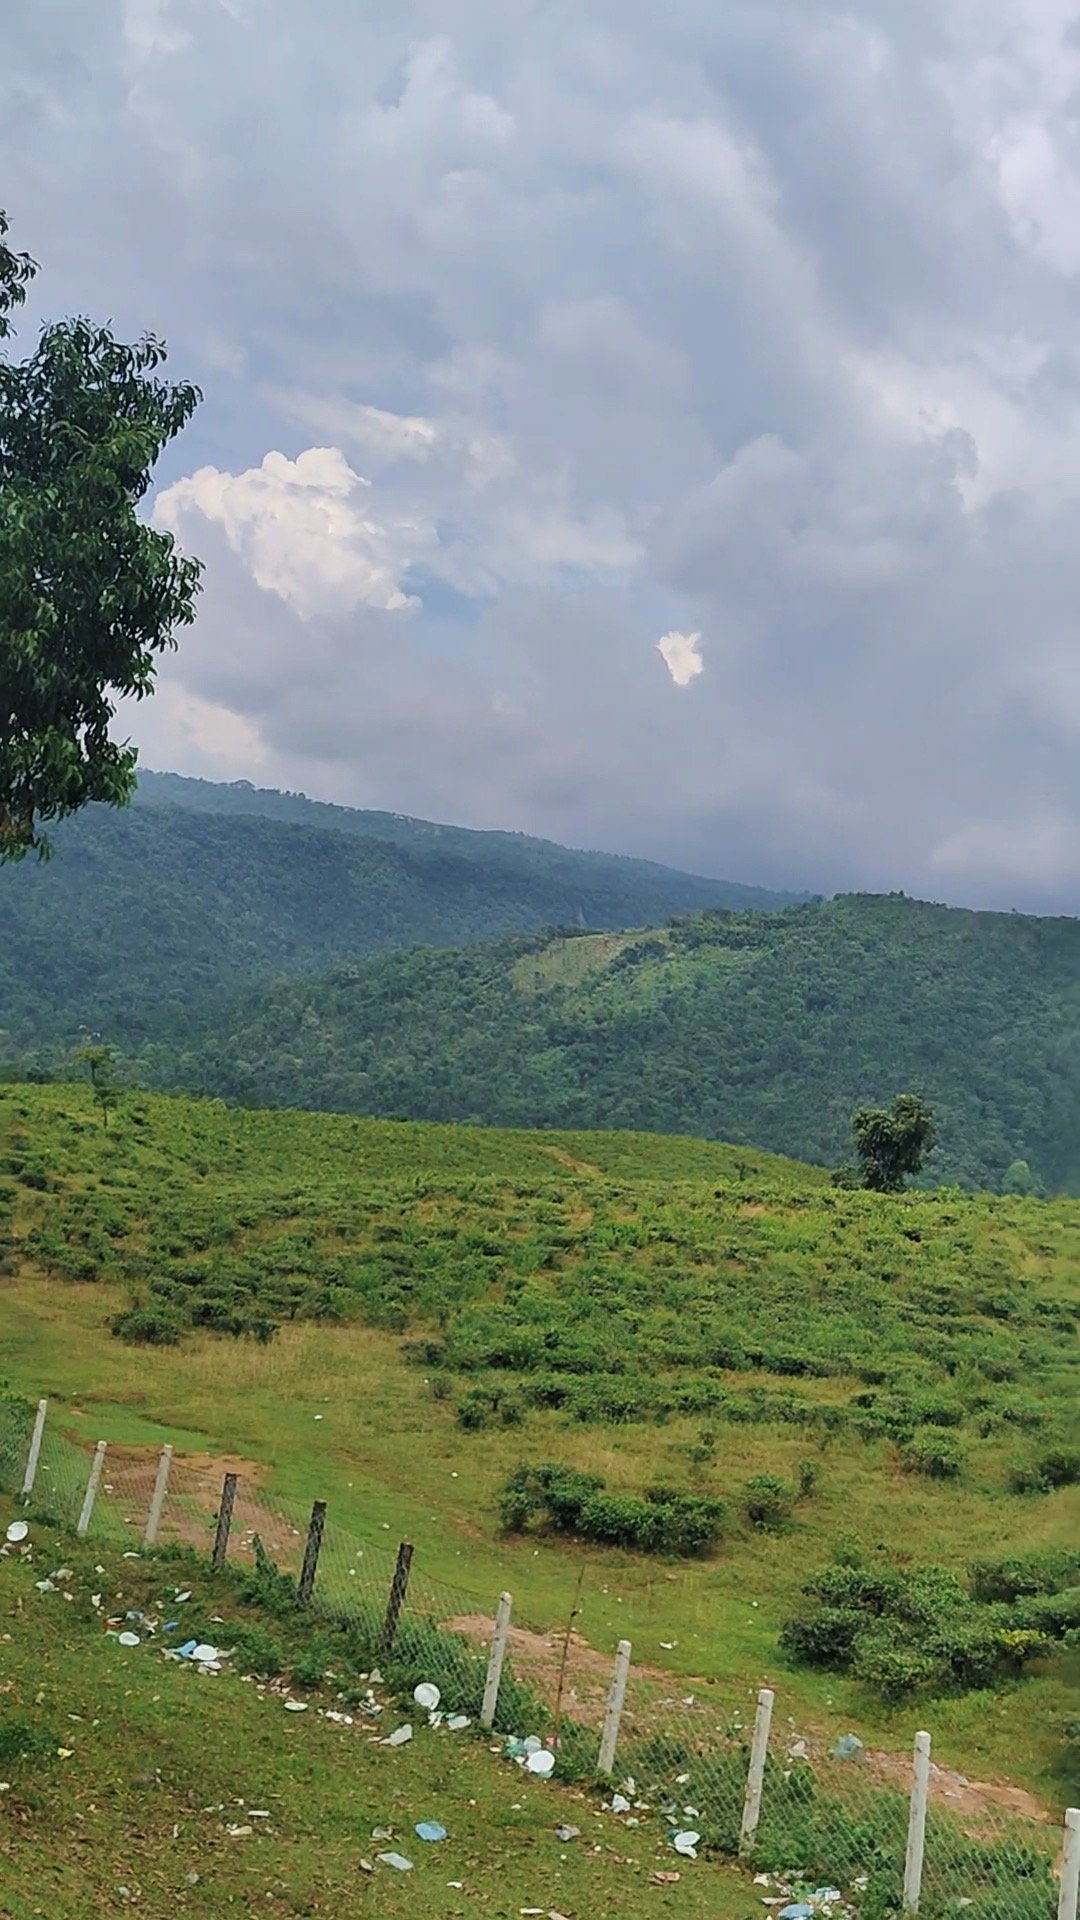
(833, 1820)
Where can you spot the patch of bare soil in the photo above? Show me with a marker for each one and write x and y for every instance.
(194, 1499)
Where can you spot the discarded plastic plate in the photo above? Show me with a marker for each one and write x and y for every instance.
(17, 1531)
(296, 1706)
(399, 1737)
(457, 1721)
(847, 1747)
(541, 1763)
(204, 1655)
(687, 1843)
(533, 1744)
(619, 1803)
(798, 1910)
(128, 1639)
(427, 1696)
(827, 1894)
(429, 1830)
(181, 1597)
(397, 1860)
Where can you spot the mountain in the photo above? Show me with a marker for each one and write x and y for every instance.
(762, 1028)
(200, 889)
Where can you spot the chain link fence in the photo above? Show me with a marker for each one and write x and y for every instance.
(826, 1826)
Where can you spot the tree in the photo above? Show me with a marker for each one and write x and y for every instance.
(89, 593)
(892, 1142)
(100, 1063)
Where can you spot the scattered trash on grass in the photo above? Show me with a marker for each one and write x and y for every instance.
(687, 1843)
(296, 1706)
(399, 1737)
(540, 1763)
(128, 1640)
(396, 1860)
(17, 1533)
(427, 1696)
(457, 1721)
(567, 1833)
(848, 1747)
(429, 1830)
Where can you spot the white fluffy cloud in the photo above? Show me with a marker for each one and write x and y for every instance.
(741, 321)
(304, 529)
(681, 656)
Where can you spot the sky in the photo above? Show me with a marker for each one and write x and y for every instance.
(652, 426)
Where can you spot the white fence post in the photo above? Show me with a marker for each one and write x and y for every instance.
(495, 1663)
(34, 1454)
(1070, 1866)
(755, 1779)
(616, 1701)
(916, 1839)
(158, 1501)
(91, 1488)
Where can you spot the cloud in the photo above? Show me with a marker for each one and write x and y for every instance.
(524, 339)
(679, 652)
(301, 529)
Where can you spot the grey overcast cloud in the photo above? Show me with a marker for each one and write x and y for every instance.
(656, 426)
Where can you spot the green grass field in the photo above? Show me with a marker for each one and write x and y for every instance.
(649, 1310)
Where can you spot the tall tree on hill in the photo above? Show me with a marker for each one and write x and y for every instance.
(89, 593)
(892, 1142)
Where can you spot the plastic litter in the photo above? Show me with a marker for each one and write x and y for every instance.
(619, 1803)
(687, 1843)
(532, 1744)
(427, 1696)
(457, 1721)
(17, 1531)
(399, 1737)
(567, 1833)
(848, 1747)
(205, 1655)
(664, 1879)
(429, 1830)
(798, 1910)
(541, 1763)
(396, 1860)
(128, 1639)
(296, 1706)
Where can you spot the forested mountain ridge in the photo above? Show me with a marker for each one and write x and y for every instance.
(200, 889)
(756, 1028)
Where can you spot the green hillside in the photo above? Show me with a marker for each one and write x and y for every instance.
(399, 1317)
(767, 1029)
(202, 888)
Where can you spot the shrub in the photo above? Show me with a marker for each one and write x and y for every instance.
(256, 1651)
(767, 1501)
(1048, 1571)
(933, 1454)
(1054, 1467)
(152, 1326)
(660, 1521)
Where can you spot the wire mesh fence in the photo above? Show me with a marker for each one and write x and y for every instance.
(824, 1825)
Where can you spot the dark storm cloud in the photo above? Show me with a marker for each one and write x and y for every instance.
(754, 323)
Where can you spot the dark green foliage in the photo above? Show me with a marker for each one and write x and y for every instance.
(924, 1630)
(1054, 1467)
(767, 1501)
(892, 1142)
(25, 1740)
(90, 592)
(771, 1028)
(200, 891)
(254, 1650)
(934, 1454)
(664, 1521)
(151, 1326)
(1050, 1571)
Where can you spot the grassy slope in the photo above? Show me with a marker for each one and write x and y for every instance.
(404, 1222)
(763, 1028)
(160, 1762)
(201, 889)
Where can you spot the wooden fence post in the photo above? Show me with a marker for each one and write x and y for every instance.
(616, 1699)
(306, 1584)
(91, 1488)
(1070, 1866)
(157, 1503)
(495, 1663)
(34, 1454)
(755, 1779)
(916, 1840)
(224, 1520)
(399, 1586)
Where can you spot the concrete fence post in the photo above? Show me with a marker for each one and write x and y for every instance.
(495, 1663)
(91, 1489)
(609, 1739)
(317, 1523)
(755, 1778)
(916, 1839)
(1070, 1866)
(224, 1520)
(399, 1587)
(34, 1454)
(157, 1502)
